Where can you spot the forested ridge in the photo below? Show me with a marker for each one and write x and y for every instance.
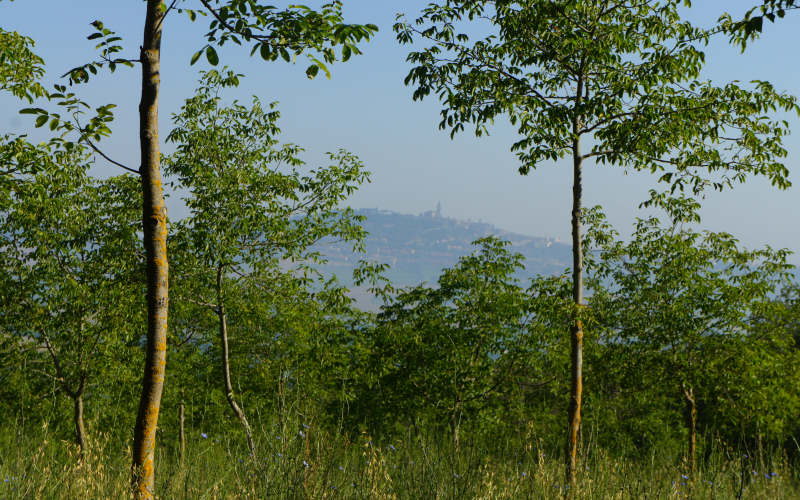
(222, 354)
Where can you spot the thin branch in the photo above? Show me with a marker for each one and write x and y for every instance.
(97, 150)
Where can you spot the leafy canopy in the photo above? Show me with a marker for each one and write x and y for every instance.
(623, 75)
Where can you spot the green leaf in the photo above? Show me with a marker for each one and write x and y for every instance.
(41, 120)
(312, 71)
(195, 57)
(211, 55)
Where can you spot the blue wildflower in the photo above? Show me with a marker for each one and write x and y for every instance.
(204, 435)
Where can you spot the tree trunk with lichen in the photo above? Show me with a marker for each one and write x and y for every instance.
(154, 225)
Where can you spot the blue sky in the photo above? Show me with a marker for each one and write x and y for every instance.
(366, 109)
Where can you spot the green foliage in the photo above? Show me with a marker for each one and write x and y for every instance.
(20, 68)
(623, 74)
(282, 34)
(70, 262)
(245, 250)
(465, 380)
(466, 350)
(250, 202)
(108, 43)
(688, 311)
(743, 30)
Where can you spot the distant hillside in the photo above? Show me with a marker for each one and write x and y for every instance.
(418, 247)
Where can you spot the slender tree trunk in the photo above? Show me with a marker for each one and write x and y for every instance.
(455, 422)
(183, 435)
(154, 222)
(226, 367)
(576, 329)
(77, 415)
(691, 422)
(80, 429)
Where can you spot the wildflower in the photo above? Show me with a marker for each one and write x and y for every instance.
(524, 474)
(305, 426)
(279, 454)
(684, 476)
(305, 464)
(341, 468)
(746, 456)
(204, 435)
(391, 447)
(773, 474)
(456, 476)
(302, 434)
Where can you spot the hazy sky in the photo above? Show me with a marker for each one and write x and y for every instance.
(366, 109)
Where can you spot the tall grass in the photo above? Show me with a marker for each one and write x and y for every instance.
(309, 463)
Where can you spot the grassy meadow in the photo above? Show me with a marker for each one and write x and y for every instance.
(306, 464)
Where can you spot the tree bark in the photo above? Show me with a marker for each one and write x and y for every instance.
(576, 329)
(154, 225)
(80, 428)
(226, 367)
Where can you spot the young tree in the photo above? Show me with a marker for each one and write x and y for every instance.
(69, 250)
(453, 350)
(272, 33)
(685, 303)
(603, 81)
(250, 205)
